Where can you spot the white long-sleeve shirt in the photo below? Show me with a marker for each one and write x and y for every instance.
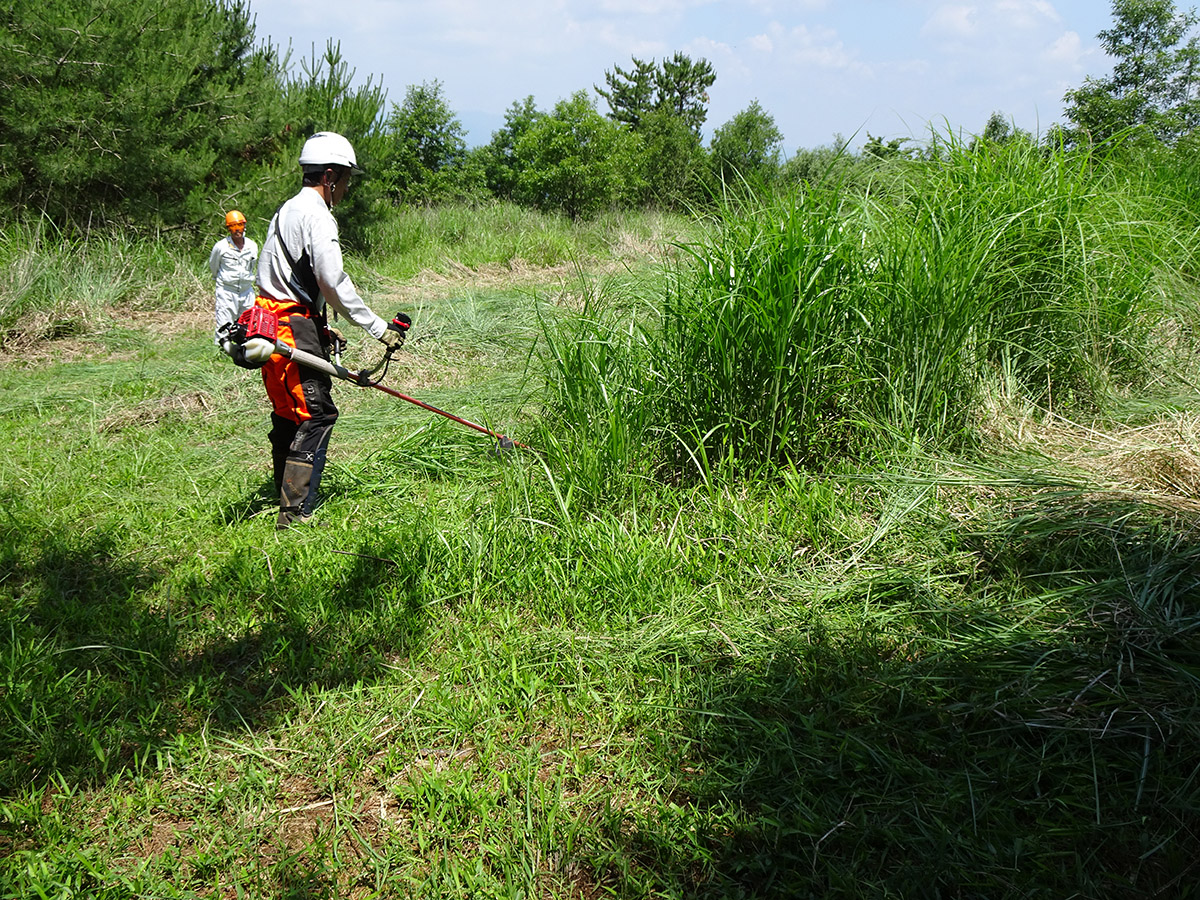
(310, 233)
(233, 270)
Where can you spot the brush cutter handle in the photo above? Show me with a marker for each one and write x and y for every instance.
(312, 361)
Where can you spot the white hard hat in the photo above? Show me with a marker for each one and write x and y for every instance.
(328, 148)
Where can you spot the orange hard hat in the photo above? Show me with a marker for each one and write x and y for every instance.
(234, 219)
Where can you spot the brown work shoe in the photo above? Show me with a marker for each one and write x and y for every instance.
(295, 519)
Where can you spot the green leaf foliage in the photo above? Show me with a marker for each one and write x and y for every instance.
(878, 148)
(674, 162)
(747, 147)
(425, 149)
(501, 164)
(322, 97)
(828, 322)
(1154, 82)
(679, 86)
(576, 161)
(630, 94)
(683, 88)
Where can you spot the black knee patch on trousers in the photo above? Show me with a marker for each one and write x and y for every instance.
(297, 482)
(314, 485)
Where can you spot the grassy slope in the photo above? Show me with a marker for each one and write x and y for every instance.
(957, 683)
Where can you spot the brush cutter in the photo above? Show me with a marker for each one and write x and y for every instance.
(262, 324)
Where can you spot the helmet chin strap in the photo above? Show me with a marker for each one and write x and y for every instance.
(326, 187)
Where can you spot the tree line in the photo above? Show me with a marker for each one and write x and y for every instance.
(160, 116)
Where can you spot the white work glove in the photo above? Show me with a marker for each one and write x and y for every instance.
(258, 350)
(227, 347)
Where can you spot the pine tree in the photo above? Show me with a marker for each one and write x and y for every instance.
(123, 110)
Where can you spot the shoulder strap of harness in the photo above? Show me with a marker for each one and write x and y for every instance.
(303, 281)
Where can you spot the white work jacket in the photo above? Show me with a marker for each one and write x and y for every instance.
(233, 270)
(310, 236)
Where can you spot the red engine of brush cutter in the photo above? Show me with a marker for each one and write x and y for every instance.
(257, 322)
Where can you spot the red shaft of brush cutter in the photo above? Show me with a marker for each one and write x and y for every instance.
(442, 412)
(323, 365)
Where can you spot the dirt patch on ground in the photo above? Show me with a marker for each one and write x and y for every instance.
(195, 318)
(169, 833)
(35, 347)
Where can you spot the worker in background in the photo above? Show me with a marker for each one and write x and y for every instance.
(300, 273)
(233, 261)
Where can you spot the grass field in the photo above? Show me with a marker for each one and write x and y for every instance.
(630, 664)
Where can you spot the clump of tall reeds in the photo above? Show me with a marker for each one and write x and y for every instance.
(821, 324)
(1030, 262)
(758, 337)
(601, 379)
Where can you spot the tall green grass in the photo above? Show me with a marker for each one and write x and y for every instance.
(54, 284)
(1003, 261)
(600, 363)
(758, 332)
(822, 325)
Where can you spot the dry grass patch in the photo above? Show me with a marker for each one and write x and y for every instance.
(198, 316)
(151, 412)
(1158, 463)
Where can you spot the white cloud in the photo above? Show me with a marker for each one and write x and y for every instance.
(957, 22)
(787, 7)
(1067, 50)
(643, 7)
(951, 22)
(819, 47)
(725, 59)
(620, 40)
(761, 43)
(1027, 13)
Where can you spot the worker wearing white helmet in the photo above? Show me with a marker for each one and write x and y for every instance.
(300, 274)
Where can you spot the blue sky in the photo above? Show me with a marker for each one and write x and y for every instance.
(820, 67)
